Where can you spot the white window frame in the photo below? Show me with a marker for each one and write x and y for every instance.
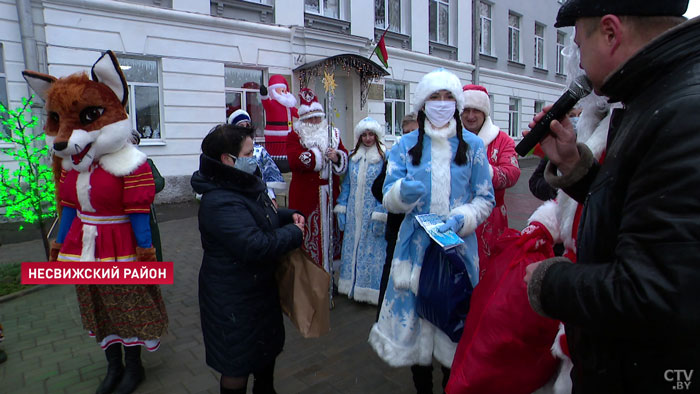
(244, 99)
(514, 117)
(3, 81)
(486, 24)
(439, 3)
(132, 99)
(322, 8)
(560, 64)
(539, 46)
(391, 132)
(386, 25)
(540, 104)
(514, 35)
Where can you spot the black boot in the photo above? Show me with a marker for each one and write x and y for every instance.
(115, 369)
(445, 377)
(422, 378)
(263, 380)
(134, 373)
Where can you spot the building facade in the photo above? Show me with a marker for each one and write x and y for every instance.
(189, 63)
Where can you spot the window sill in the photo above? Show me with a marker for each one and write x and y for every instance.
(149, 142)
(560, 75)
(540, 70)
(243, 10)
(393, 38)
(442, 50)
(483, 56)
(325, 23)
(516, 64)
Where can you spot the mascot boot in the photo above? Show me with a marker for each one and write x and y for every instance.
(115, 369)
(134, 373)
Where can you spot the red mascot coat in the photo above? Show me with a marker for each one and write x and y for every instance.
(308, 191)
(505, 173)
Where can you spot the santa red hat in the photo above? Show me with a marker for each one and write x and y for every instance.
(277, 81)
(476, 97)
(309, 106)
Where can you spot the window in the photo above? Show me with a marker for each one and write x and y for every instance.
(538, 106)
(439, 21)
(485, 28)
(539, 45)
(514, 117)
(387, 14)
(561, 43)
(144, 95)
(394, 107)
(3, 91)
(329, 8)
(513, 37)
(242, 91)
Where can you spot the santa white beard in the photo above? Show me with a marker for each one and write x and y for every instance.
(313, 135)
(286, 99)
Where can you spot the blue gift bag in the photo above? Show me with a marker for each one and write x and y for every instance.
(444, 290)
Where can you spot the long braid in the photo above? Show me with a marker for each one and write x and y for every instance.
(462, 147)
(417, 151)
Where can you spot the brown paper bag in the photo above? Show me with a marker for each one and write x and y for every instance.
(303, 288)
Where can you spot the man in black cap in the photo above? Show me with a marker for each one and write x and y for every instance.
(631, 303)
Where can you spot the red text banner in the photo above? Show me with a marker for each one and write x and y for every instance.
(97, 273)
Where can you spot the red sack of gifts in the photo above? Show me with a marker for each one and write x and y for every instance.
(505, 346)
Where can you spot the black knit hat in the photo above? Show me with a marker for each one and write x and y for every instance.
(574, 9)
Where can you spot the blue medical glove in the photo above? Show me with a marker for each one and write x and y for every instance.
(341, 221)
(411, 191)
(453, 223)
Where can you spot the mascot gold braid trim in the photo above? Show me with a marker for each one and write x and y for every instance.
(104, 188)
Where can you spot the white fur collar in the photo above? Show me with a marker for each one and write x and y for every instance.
(370, 153)
(124, 161)
(443, 133)
(488, 132)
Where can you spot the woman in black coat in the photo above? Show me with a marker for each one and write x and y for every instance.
(243, 236)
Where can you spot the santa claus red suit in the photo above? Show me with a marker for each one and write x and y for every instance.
(279, 105)
(307, 150)
(503, 166)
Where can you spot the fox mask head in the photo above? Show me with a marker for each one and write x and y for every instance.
(86, 116)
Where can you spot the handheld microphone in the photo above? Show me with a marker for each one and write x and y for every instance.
(578, 89)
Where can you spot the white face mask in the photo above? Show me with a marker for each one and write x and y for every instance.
(439, 113)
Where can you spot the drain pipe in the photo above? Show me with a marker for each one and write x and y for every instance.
(26, 28)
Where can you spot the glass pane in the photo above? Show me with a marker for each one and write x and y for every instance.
(432, 28)
(394, 90)
(242, 78)
(388, 118)
(513, 20)
(312, 6)
(400, 113)
(444, 23)
(561, 38)
(331, 8)
(485, 9)
(139, 70)
(512, 104)
(539, 30)
(147, 111)
(379, 14)
(233, 102)
(395, 15)
(254, 108)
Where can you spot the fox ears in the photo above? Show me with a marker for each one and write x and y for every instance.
(106, 70)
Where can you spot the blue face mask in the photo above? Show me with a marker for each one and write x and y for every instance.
(245, 164)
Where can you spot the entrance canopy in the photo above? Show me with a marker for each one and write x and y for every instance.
(367, 70)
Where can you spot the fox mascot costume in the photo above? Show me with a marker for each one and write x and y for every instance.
(105, 188)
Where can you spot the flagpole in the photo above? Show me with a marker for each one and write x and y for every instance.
(377, 44)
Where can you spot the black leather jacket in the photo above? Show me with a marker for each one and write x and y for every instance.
(632, 303)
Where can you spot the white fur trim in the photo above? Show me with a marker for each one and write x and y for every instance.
(340, 209)
(124, 161)
(342, 166)
(488, 131)
(477, 99)
(474, 214)
(277, 185)
(371, 125)
(440, 161)
(276, 133)
(563, 383)
(415, 279)
(88, 248)
(370, 153)
(392, 353)
(370, 296)
(82, 186)
(312, 114)
(304, 109)
(434, 81)
(443, 348)
(401, 273)
(318, 158)
(490, 171)
(379, 216)
(547, 215)
(392, 200)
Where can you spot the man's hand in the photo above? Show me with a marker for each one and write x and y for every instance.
(560, 144)
(333, 155)
(274, 203)
(299, 221)
(529, 270)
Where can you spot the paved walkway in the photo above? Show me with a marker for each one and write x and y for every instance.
(48, 352)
